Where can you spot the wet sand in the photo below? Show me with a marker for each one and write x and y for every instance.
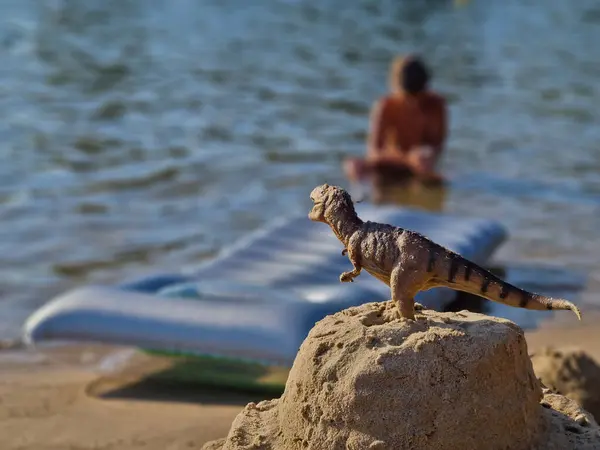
(80, 397)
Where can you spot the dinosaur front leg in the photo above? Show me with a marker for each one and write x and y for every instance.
(346, 277)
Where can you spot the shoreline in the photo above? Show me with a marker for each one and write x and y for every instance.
(92, 396)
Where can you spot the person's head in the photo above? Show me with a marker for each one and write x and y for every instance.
(409, 74)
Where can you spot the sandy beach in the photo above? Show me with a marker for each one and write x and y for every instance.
(46, 402)
(144, 140)
(78, 397)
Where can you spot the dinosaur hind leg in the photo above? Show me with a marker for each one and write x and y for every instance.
(404, 285)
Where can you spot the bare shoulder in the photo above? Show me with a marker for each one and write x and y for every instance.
(382, 104)
(436, 100)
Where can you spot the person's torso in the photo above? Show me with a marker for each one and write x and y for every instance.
(410, 121)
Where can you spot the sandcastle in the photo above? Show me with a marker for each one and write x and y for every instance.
(364, 379)
(571, 372)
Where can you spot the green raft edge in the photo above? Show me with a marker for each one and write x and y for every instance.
(220, 372)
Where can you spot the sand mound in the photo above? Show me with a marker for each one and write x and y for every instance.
(570, 372)
(363, 379)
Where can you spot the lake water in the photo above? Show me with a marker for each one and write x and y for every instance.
(142, 135)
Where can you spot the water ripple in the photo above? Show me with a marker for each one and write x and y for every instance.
(135, 138)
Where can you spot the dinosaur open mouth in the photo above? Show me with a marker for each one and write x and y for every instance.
(318, 205)
(316, 210)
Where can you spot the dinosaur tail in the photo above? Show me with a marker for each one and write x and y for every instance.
(465, 275)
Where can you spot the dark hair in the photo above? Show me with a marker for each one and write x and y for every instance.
(414, 75)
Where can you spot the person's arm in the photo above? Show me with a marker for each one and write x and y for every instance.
(440, 130)
(377, 127)
(423, 163)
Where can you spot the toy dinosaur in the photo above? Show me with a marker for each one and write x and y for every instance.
(409, 262)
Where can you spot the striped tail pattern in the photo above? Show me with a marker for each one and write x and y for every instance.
(454, 271)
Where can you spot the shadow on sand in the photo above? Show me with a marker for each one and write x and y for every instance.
(191, 379)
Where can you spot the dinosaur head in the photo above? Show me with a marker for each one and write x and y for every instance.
(327, 201)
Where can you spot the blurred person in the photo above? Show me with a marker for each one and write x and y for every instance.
(408, 127)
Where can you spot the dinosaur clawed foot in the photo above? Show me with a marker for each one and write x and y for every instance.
(404, 311)
(347, 277)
